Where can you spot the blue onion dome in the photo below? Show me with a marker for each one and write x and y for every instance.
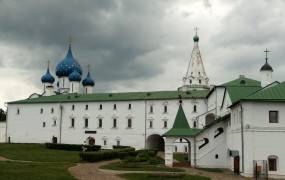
(47, 78)
(68, 65)
(74, 76)
(88, 81)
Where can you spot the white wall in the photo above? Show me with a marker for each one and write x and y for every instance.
(206, 156)
(261, 138)
(27, 127)
(2, 131)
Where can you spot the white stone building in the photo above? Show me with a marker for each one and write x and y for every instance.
(236, 125)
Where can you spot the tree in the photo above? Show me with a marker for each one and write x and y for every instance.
(2, 115)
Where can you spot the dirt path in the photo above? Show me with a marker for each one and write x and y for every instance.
(90, 171)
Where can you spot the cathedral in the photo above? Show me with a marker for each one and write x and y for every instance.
(237, 125)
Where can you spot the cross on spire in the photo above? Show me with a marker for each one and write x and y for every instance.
(88, 67)
(266, 54)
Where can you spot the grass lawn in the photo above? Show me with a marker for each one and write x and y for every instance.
(162, 177)
(139, 167)
(35, 171)
(37, 152)
(181, 157)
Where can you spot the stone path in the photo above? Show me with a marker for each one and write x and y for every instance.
(90, 171)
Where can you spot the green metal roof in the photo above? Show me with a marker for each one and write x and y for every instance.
(127, 96)
(181, 126)
(236, 93)
(273, 93)
(241, 87)
(242, 81)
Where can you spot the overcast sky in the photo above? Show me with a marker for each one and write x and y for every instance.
(137, 45)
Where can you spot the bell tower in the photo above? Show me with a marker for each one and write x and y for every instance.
(195, 77)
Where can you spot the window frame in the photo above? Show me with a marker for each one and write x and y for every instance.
(277, 116)
(129, 106)
(86, 122)
(115, 124)
(275, 165)
(100, 123)
(72, 123)
(129, 123)
(86, 107)
(165, 109)
(100, 107)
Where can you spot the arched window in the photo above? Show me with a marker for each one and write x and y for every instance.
(194, 124)
(194, 108)
(272, 163)
(42, 110)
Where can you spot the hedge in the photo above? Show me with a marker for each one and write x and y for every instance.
(72, 147)
(107, 155)
(120, 147)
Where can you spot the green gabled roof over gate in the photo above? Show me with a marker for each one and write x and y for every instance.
(126, 96)
(181, 127)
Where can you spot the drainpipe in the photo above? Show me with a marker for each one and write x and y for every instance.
(242, 138)
(60, 122)
(145, 124)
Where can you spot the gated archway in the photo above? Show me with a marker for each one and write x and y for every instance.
(155, 142)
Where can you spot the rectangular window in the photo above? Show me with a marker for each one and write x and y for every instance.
(151, 109)
(165, 109)
(86, 123)
(44, 124)
(115, 106)
(73, 107)
(18, 111)
(52, 110)
(100, 123)
(272, 163)
(130, 106)
(100, 107)
(42, 110)
(273, 116)
(194, 108)
(114, 123)
(105, 142)
(54, 123)
(165, 124)
(86, 107)
(118, 142)
(150, 124)
(129, 123)
(72, 123)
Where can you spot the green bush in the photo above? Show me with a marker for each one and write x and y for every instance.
(151, 153)
(120, 147)
(156, 160)
(106, 155)
(72, 147)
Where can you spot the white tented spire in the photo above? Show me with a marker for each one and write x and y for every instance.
(196, 76)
